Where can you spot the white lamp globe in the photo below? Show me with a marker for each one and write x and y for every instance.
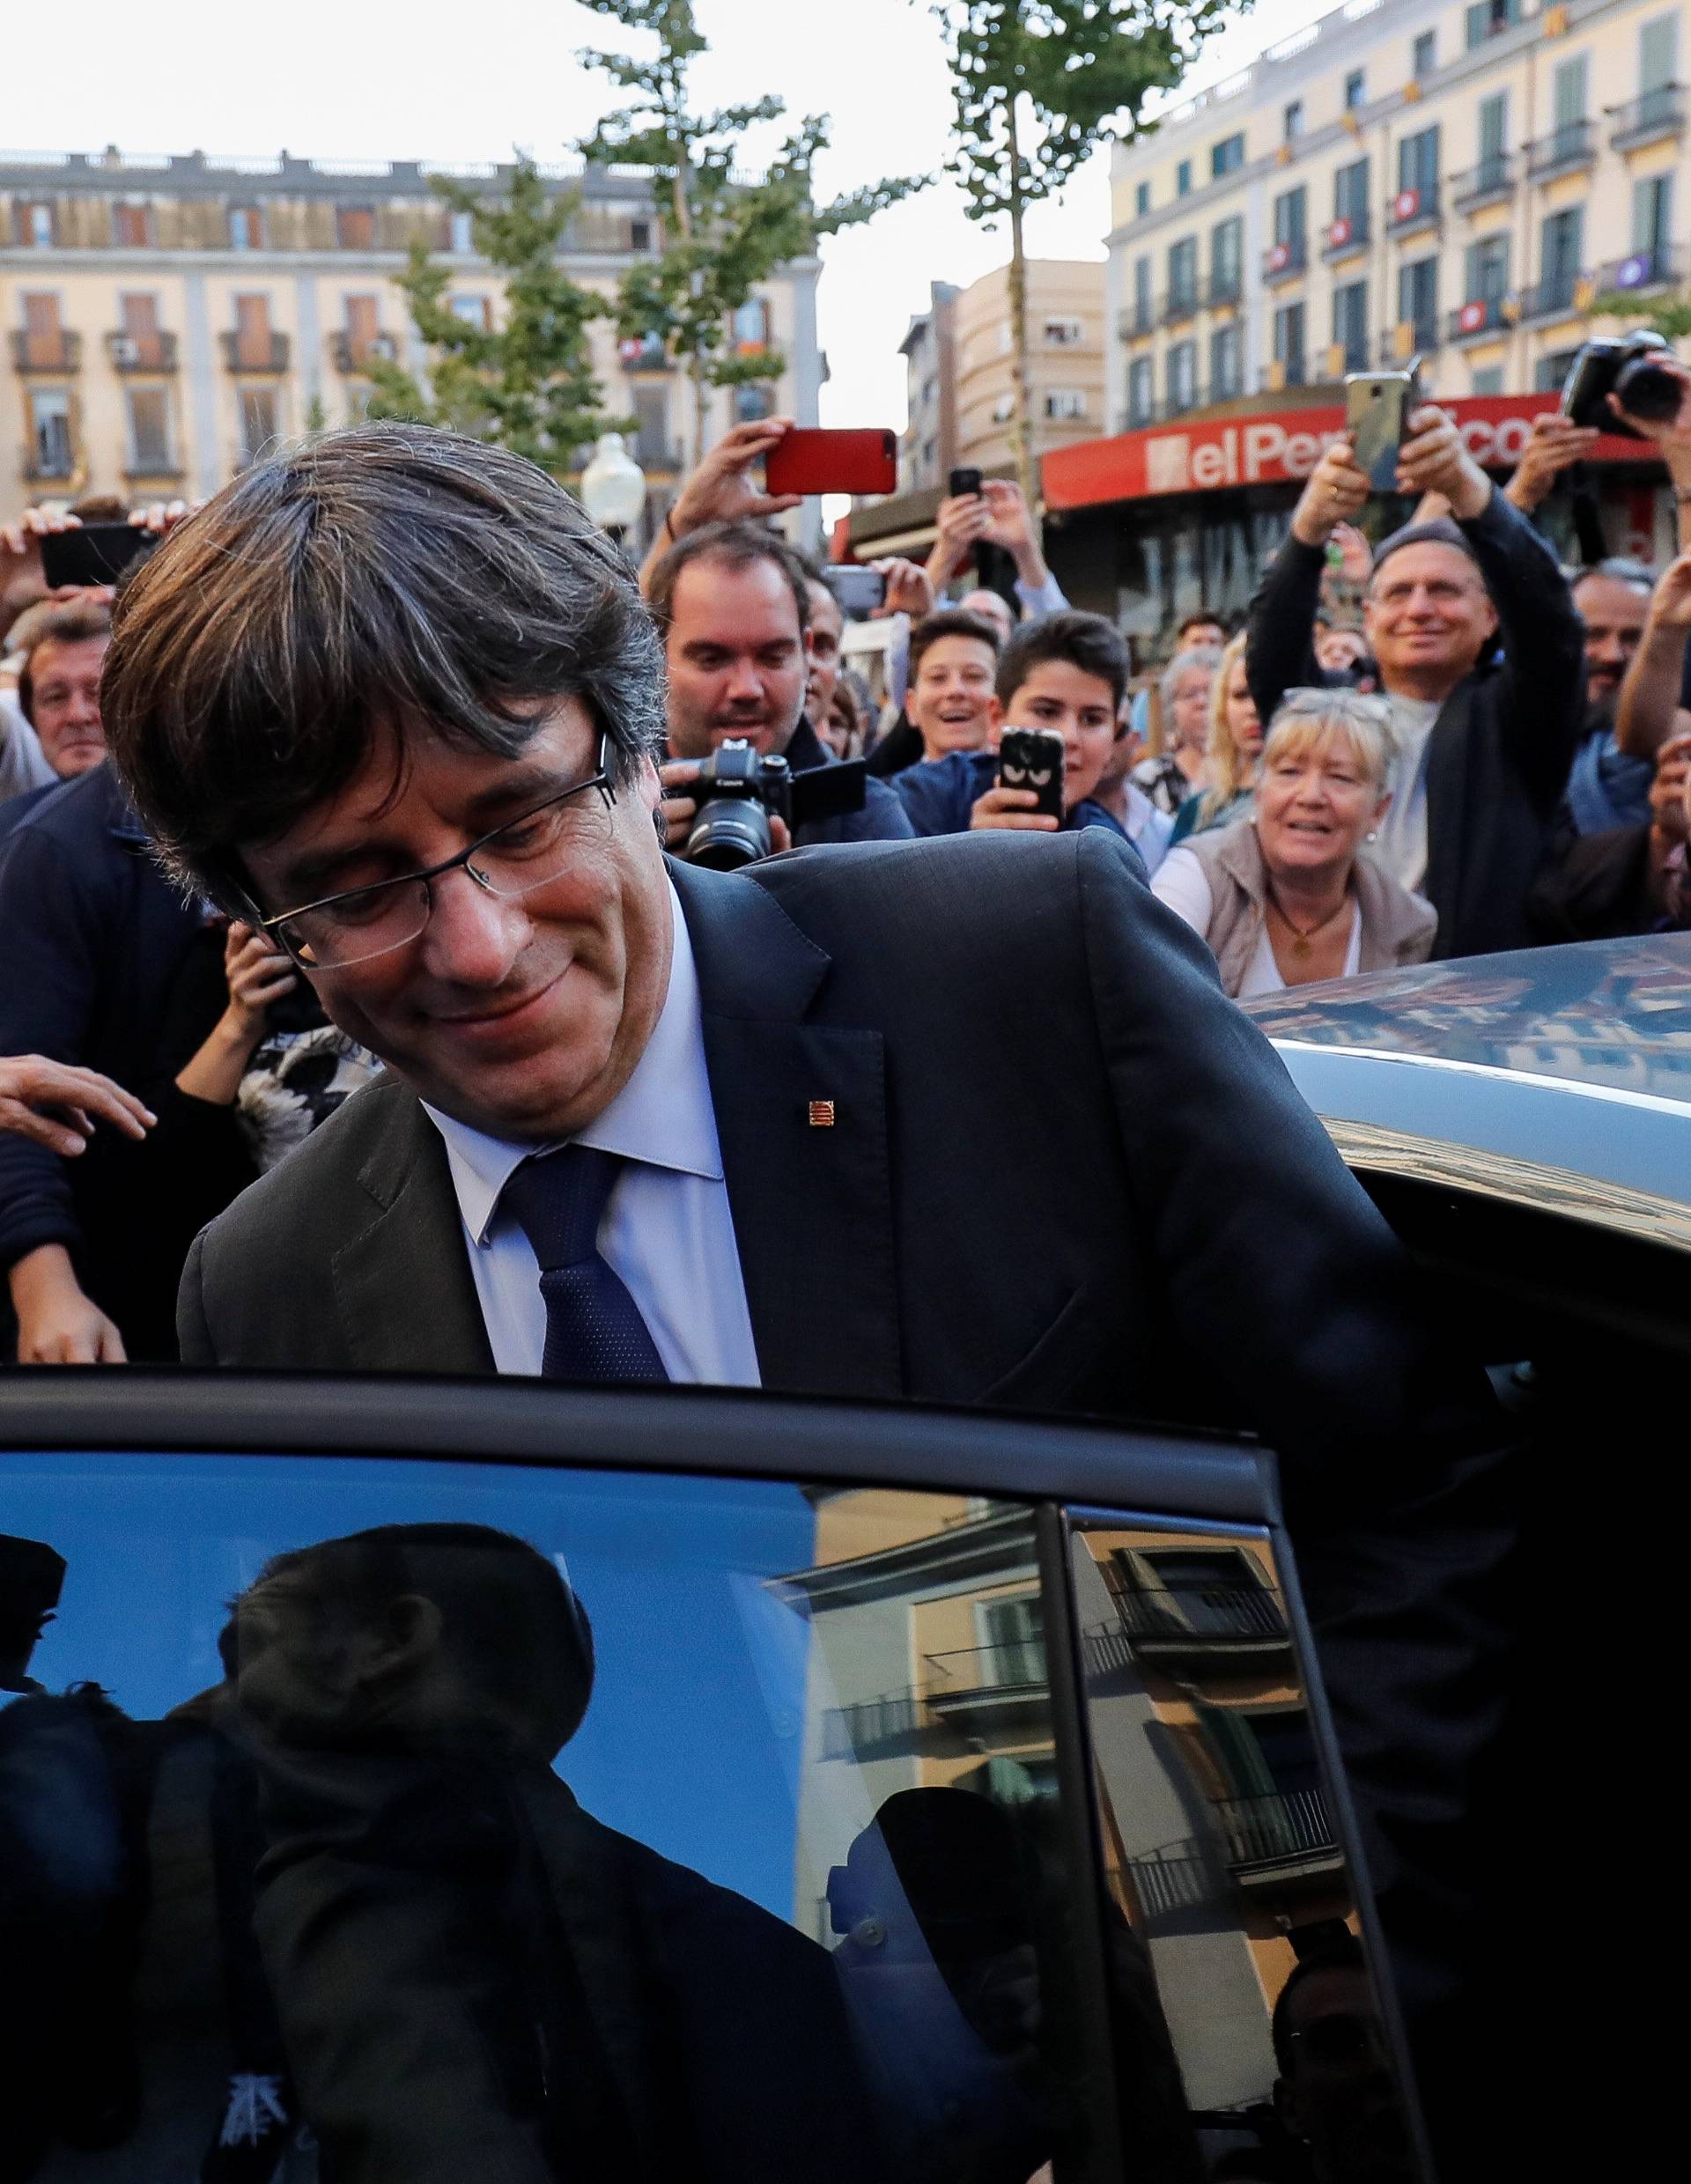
(613, 485)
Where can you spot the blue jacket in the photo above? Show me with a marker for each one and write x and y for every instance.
(882, 818)
(940, 792)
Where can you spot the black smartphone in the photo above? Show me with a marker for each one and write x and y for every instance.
(1034, 759)
(1377, 408)
(857, 592)
(962, 483)
(98, 553)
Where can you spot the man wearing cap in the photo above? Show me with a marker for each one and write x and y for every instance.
(1485, 742)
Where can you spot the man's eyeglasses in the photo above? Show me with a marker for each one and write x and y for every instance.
(511, 858)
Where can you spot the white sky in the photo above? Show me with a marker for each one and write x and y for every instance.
(450, 83)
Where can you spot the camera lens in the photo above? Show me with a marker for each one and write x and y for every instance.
(728, 832)
(1649, 391)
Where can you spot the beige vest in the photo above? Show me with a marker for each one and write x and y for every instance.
(1398, 927)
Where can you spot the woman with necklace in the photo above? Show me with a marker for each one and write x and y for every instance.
(1290, 895)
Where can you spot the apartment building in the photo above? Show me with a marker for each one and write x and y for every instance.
(928, 446)
(1463, 181)
(1065, 360)
(170, 318)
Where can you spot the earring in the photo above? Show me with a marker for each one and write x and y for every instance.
(1373, 835)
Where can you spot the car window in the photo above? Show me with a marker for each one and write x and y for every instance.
(1224, 1858)
(446, 1820)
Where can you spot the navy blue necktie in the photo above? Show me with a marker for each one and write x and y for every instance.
(593, 1328)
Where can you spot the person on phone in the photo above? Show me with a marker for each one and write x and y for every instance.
(1483, 746)
(997, 515)
(1289, 895)
(732, 603)
(1066, 674)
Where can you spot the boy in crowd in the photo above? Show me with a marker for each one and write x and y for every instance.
(951, 698)
(1066, 674)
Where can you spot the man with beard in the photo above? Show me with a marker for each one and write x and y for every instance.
(1607, 788)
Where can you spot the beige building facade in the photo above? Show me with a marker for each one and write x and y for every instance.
(170, 319)
(928, 446)
(1460, 181)
(1065, 360)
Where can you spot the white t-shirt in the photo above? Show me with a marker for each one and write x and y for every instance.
(1402, 847)
(1181, 882)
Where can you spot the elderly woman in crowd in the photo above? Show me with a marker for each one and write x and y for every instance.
(1234, 751)
(1175, 767)
(1291, 896)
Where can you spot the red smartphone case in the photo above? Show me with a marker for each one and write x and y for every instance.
(809, 461)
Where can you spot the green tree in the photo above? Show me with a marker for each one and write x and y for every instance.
(1668, 315)
(723, 232)
(1036, 84)
(528, 384)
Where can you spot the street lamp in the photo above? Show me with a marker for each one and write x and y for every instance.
(613, 486)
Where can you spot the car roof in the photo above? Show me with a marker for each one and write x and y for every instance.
(1559, 1077)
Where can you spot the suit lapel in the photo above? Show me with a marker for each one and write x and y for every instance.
(811, 1198)
(402, 1286)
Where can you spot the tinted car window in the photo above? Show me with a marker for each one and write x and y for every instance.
(389, 1819)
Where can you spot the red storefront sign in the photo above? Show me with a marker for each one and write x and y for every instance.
(1278, 447)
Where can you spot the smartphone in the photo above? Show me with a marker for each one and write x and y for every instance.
(962, 483)
(98, 553)
(857, 592)
(1377, 408)
(1034, 759)
(809, 461)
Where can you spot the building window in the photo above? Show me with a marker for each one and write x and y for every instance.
(259, 421)
(149, 408)
(1141, 295)
(50, 431)
(33, 225)
(1423, 55)
(1228, 156)
(254, 345)
(1355, 90)
(1183, 274)
(45, 347)
(1291, 121)
(1182, 376)
(1490, 18)
(1350, 197)
(1141, 200)
(1418, 300)
(1659, 56)
(246, 232)
(1488, 380)
(751, 328)
(640, 235)
(461, 232)
(1493, 142)
(363, 332)
(1226, 260)
(1142, 392)
(1226, 364)
(1064, 333)
(1652, 219)
(146, 344)
(1560, 258)
(1292, 212)
(355, 227)
(475, 311)
(1551, 372)
(1568, 95)
(1288, 344)
(1350, 324)
(131, 226)
(752, 404)
(1183, 178)
(1486, 271)
(1418, 169)
(1065, 404)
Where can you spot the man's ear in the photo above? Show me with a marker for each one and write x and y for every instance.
(648, 787)
(399, 1643)
(994, 719)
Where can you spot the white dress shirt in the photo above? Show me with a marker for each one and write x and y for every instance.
(667, 1230)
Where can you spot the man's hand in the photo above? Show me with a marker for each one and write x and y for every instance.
(1554, 445)
(721, 489)
(963, 520)
(160, 516)
(1672, 436)
(1434, 461)
(1011, 808)
(1337, 493)
(56, 1323)
(908, 589)
(1356, 555)
(679, 810)
(1670, 603)
(24, 538)
(258, 973)
(58, 1105)
(1009, 524)
(1668, 791)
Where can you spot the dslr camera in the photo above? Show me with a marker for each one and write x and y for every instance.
(737, 789)
(1631, 367)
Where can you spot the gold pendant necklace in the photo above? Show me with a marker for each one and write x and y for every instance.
(1301, 938)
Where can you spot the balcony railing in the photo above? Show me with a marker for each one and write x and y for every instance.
(643, 352)
(1480, 315)
(659, 455)
(975, 1671)
(1344, 237)
(142, 352)
(1284, 1828)
(39, 464)
(1284, 260)
(255, 352)
(1658, 113)
(1644, 268)
(971, 1685)
(1425, 338)
(1223, 289)
(870, 1725)
(1412, 209)
(1496, 177)
(57, 352)
(354, 355)
(1572, 145)
(1274, 379)
(1179, 303)
(1204, 1615)
(166, 471)
(1554, 298)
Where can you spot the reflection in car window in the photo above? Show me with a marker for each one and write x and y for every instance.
(1222, 1856)
(389, 1820)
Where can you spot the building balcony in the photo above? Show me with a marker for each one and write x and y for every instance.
(1136, 321)
(168, 472)
(1344, 238)
(350, 356)
(1560, 297)
(41, 465)
(1563, 151)
(1481, 315)
(1275, 378)
(1284, 1836)
(1647, 119)
(992, 1688)
(1413, 211)
(643, 352)
(57, 352)
(142, 352)
(1643, 269)
(1210, 1621)
(658, 455)
(1284, 262)
(1178, 304)
(1422, 339)
(1222, 292)
(1496, 177)
(255, 352)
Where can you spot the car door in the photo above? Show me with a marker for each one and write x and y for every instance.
(443, 1780)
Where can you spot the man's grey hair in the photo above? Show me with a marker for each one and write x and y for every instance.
(1621, 568)
(391, 577)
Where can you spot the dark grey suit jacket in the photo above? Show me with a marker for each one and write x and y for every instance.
(1065, 1173)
